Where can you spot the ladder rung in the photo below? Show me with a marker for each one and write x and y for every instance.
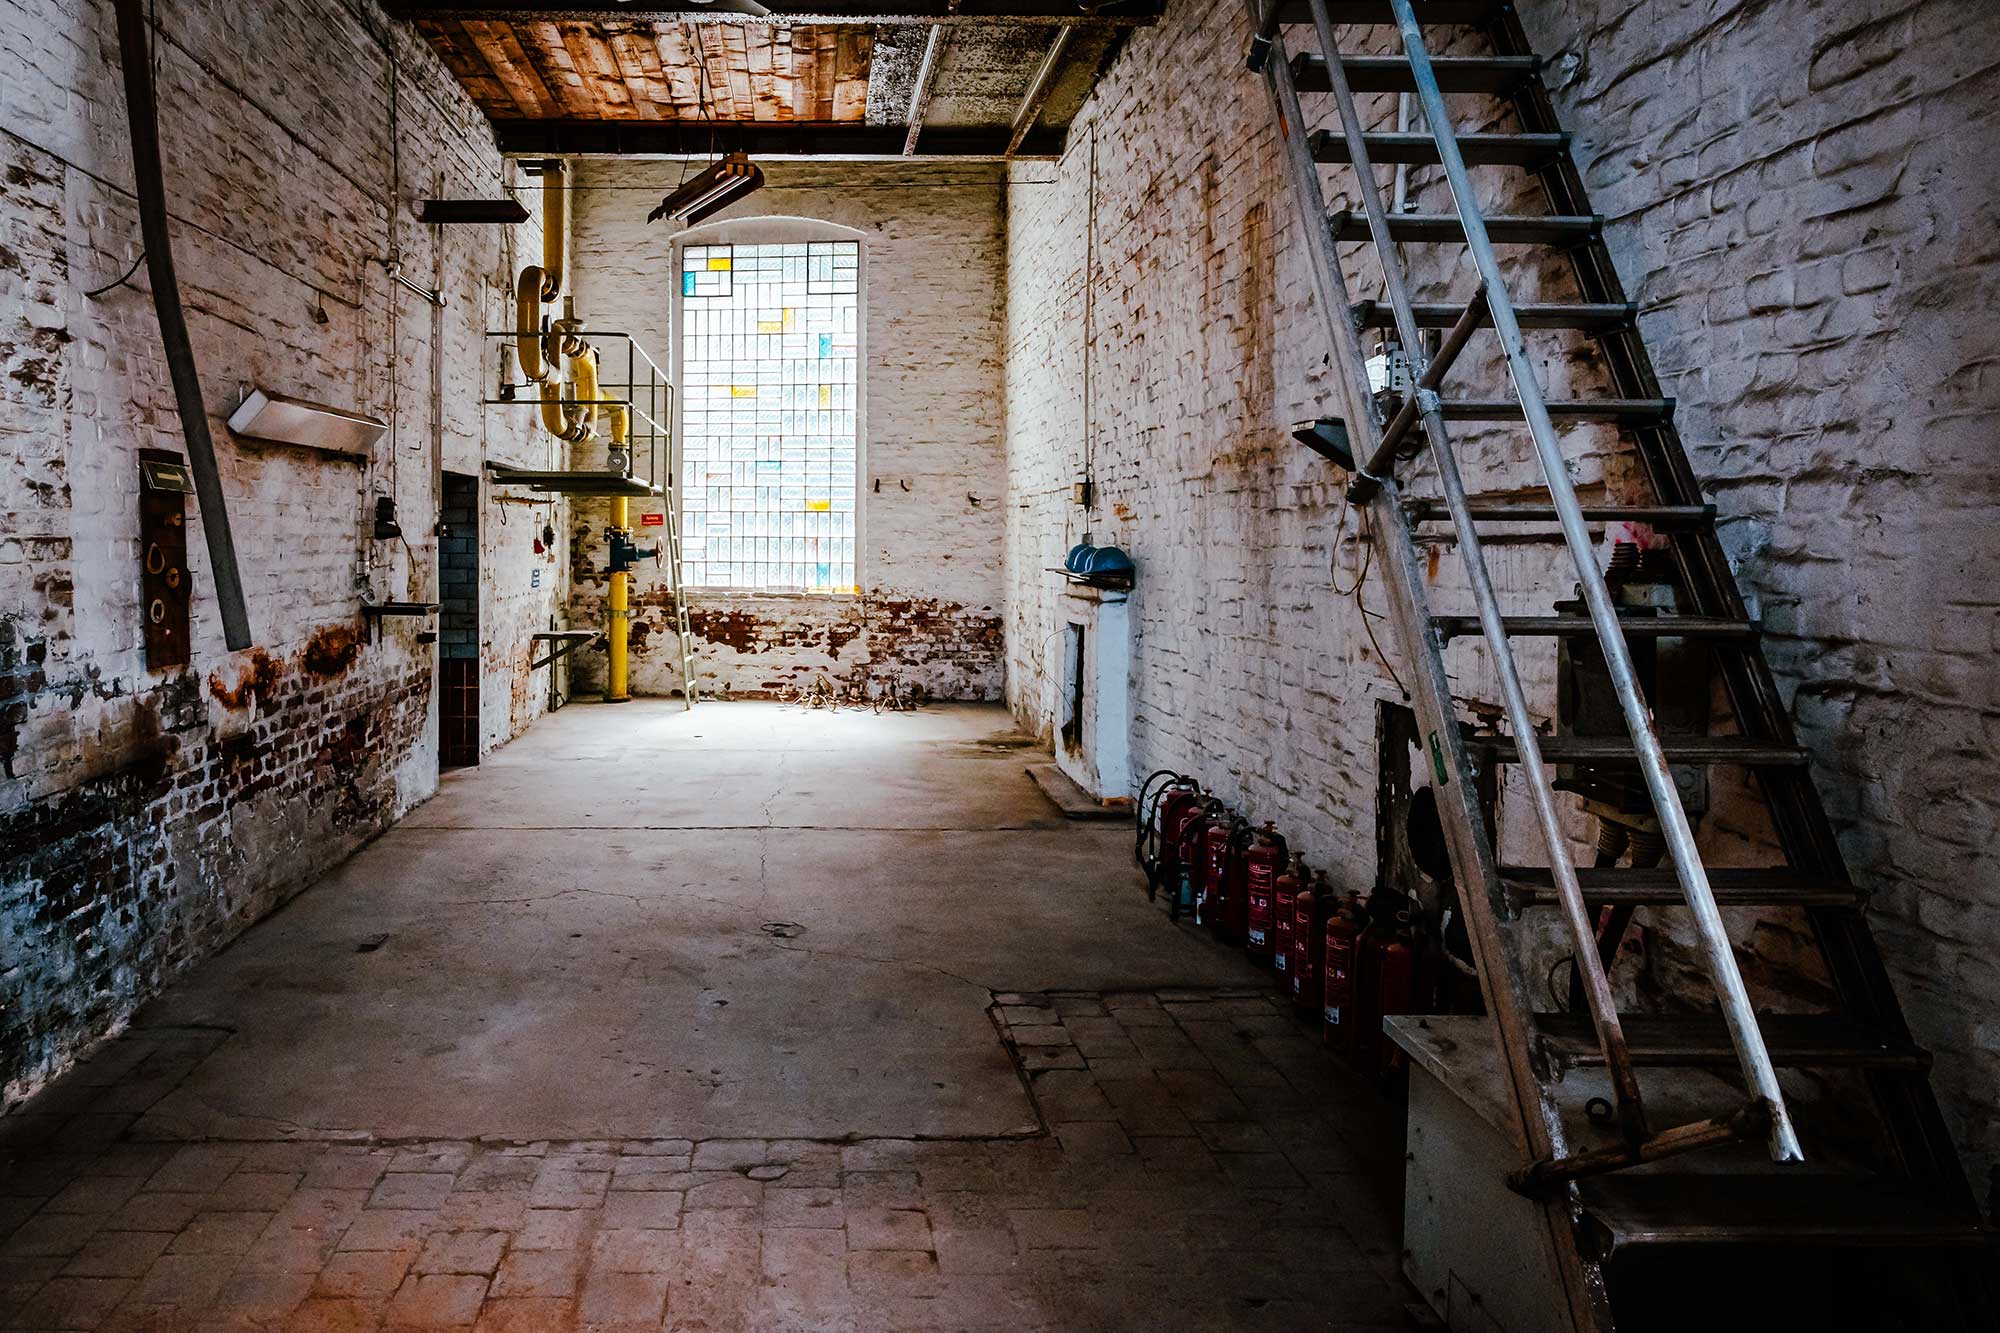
(1635, 627)
(1667, 518)
(1796, 1041)
(1419, 149)
(1607, 317)
(1392, 74)
(1625, 411)
(1657, 886)
(1464, 12)
(1777, 1208)
(1616, 751)
(1501, 228)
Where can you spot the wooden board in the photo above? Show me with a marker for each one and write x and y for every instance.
(642, 70)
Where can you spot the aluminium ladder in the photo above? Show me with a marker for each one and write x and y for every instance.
(1580, 1189)
(677, 585)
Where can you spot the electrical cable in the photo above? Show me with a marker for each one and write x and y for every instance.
(1360, 579)
(153, 43)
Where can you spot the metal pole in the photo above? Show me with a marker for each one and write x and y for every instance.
(1737, 1013)
(1576, 915)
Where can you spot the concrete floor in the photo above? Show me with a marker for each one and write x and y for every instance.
(743, 940)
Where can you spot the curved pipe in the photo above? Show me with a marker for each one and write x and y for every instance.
(542, 283)
(561, 421)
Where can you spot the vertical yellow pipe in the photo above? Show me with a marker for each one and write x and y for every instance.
(619, 615)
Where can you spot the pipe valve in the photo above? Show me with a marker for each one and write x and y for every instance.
(625, 556)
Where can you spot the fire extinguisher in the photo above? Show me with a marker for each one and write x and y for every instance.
(1284, 910)
(1218, 860)
(1166, 801)
(1387, 986)
(1191, 871)
(1306, 943)
(1262, 862)
(1344, 927)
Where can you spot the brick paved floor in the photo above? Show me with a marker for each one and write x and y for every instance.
(1202, 1164)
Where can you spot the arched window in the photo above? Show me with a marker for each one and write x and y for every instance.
(769, 330)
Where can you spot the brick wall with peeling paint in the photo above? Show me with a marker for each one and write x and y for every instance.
(146, 818)
(1801, 199)
(931, 458)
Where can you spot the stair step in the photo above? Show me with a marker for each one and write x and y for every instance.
(1635, 627)
(1616, 751)
(1392, 74)
(1667, 518)
(1624, 411)
(1796, 1041)
(1464, 12)
(1779, 1208)
(1605, 317)
(1419, 149)
(1501, 228)
(1657, 886)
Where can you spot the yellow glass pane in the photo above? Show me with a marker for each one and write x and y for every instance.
(770, 326)
(718, 264)
(818, 506)
(791, 318)
(826, 395)
(742, 391)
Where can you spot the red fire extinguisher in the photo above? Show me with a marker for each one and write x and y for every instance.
(1284, 909)
(1344, 928)
(1262, 862)
(1218, 856)
(1180, 812)
(1304, 960)
(1390, 969)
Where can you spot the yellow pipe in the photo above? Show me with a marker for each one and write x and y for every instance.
(542, 282)
(619, 613)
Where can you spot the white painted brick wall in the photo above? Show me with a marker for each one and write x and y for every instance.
(276, 126)
(929, 614)
(1801, 198)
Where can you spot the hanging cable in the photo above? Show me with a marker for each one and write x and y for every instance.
(153, 57)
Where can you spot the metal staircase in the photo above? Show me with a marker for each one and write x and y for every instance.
(1590, 1200)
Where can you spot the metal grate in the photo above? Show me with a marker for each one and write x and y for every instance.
(770, 376)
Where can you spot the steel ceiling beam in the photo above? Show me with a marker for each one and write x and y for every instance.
(844, 13)
(765, 140)
(920, 96)
(1038, 90)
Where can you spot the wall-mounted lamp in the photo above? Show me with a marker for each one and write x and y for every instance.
(721, 185)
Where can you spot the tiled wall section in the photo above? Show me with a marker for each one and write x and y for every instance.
(1799, 197)
(146, 819)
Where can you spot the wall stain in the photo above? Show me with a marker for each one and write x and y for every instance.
(261, 675)
(331, 651)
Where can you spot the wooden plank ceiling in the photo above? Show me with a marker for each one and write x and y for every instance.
(641, 70)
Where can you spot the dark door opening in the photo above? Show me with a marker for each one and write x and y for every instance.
(458, 623)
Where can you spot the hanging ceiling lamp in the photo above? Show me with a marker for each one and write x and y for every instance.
(721, 185)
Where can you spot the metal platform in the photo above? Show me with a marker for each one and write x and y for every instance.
(574, 483)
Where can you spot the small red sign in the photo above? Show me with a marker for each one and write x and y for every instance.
(652, 520)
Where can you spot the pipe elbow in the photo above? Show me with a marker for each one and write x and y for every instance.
(527, 325)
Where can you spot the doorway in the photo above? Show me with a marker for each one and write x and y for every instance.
(458, 623)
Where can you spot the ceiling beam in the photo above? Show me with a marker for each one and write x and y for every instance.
(765, 140)
(856, 13)
(920, 96)
(1038, 90)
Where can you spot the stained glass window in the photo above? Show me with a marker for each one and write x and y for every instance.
(769, 374)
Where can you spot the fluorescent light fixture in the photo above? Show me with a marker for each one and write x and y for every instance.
(276, 419)
(721, 185)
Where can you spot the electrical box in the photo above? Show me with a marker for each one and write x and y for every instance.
(165, 587)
